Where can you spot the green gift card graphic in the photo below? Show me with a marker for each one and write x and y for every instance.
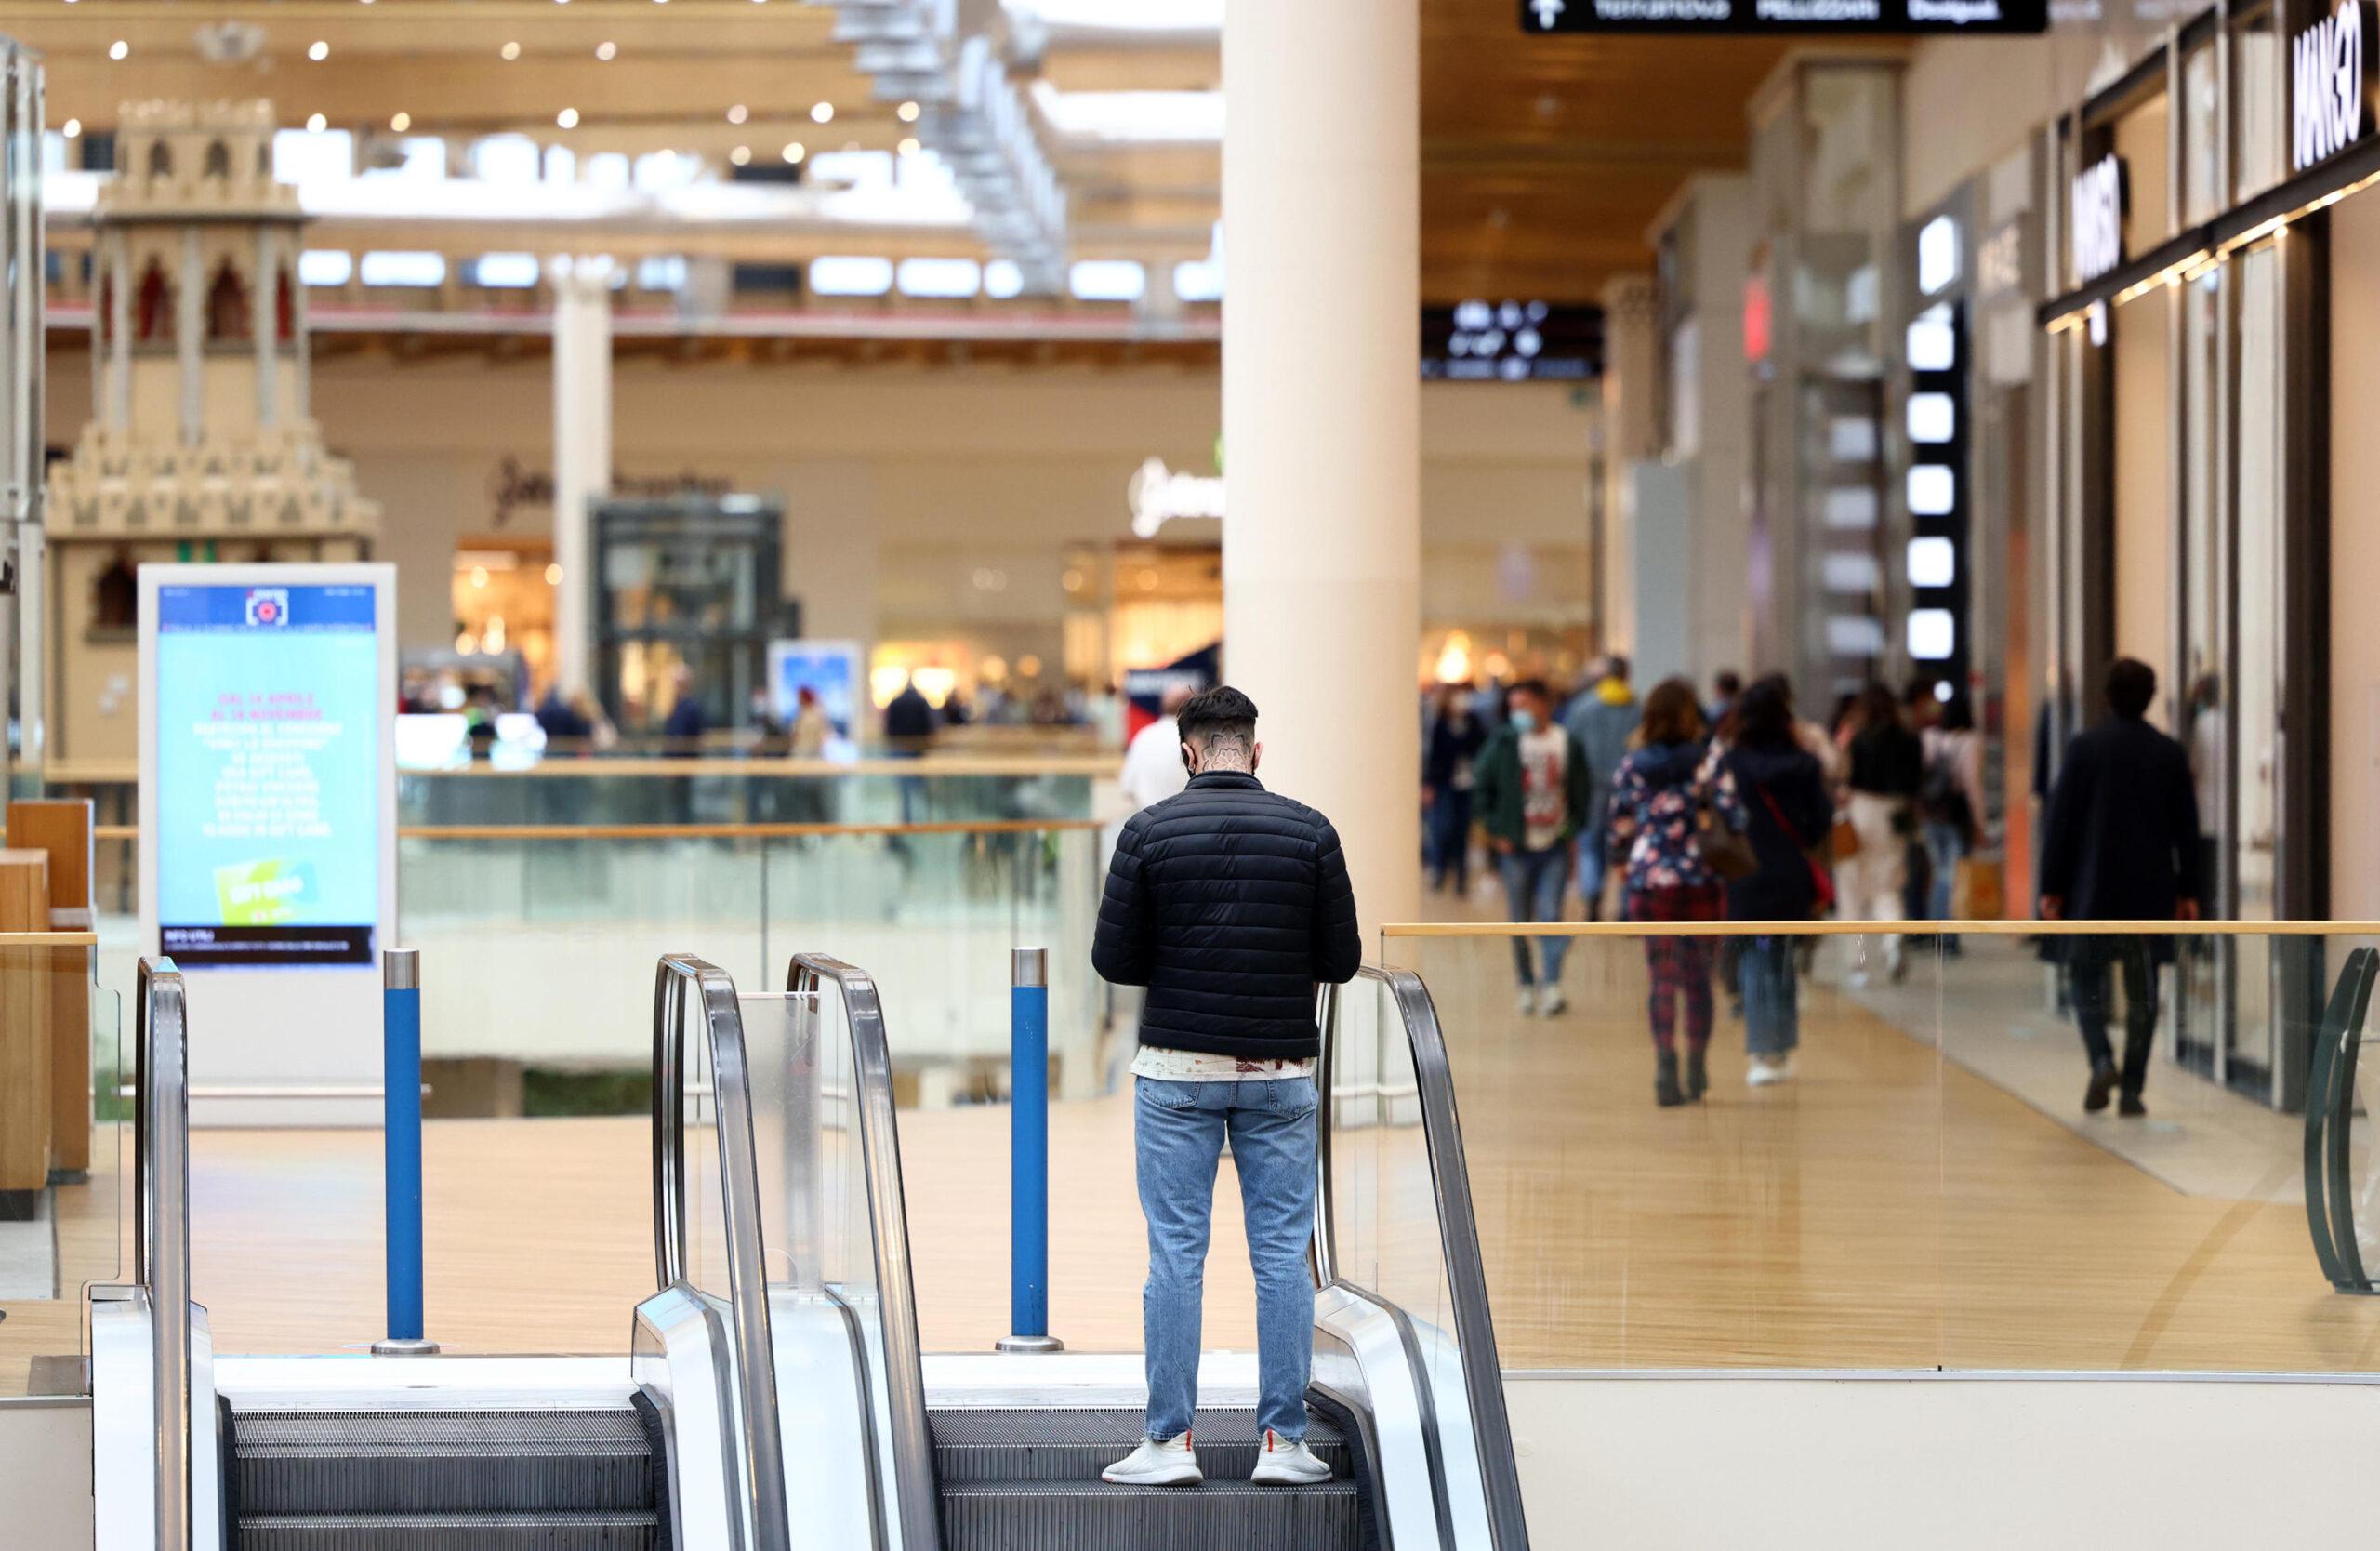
(263, 893)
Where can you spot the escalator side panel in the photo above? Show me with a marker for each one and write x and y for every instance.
(683, 1358)
(124, 1413)
(1360, 1354)
(1362, 1452)
(827, 1420)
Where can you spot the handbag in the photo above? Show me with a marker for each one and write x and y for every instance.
(1978, 889)
(1822, 879)
(1844, 840)
(1724, 851)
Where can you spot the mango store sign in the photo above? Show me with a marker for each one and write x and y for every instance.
(2096, 222)
(1158, 494)
(2328, 68)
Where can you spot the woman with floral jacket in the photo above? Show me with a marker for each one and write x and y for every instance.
(1657, 813)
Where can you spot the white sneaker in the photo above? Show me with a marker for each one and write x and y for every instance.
(1284, 1462)
(1550, 1001)
(1767, 1069)
(1528, 1001)
(1162, 1461)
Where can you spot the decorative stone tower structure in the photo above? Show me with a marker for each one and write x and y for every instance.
(200, 445)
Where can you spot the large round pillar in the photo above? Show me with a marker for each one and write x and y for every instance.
(1321, 417)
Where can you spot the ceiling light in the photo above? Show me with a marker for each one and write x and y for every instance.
(822, 113)
(316, 124)
(793, 151)
(72, 126)
(907, 111)
(400, 122)
(605, 50)
(738, 113)
(740, 156)
(510, 50)
(318, 50)
(568, 118)
(910, 146)
(118, 49)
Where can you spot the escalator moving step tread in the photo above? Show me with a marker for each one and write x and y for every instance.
(442, 1461)
(1056, 1445)
(452, 1532)
(1040, 1516)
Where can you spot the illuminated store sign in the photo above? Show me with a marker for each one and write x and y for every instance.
(1938, 254)
(1511, 341)
(1934, 559)
(2097, 219)
(1158, 494)
(2327, 74)
(1784, 16)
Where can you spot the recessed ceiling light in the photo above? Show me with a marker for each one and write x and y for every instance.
(510, 50)
(72, 126)
(316, 124)
(822, 113)
(568, 118)
(793, 151)
(118, 49)
(401, 122)
(910, 146)
(738, 113)
(740, 156)
(318, 50)
(606, 49)
(907, 111)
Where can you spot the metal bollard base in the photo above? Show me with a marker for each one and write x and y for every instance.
(1028, 1343)
(393, 1347)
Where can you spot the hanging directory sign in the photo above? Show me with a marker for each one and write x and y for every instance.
(267, 795)
(1784, 16)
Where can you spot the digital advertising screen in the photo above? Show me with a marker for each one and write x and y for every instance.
(829, 669)
(270, 739)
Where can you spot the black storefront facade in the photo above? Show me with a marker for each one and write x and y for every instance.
(2210, 247)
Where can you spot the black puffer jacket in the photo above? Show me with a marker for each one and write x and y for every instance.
(1229, 903)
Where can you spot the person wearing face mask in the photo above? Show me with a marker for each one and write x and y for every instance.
(1448, 784)
(1534, 795)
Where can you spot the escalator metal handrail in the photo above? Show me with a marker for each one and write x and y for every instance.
(161, 1228)
(747, 1292)
(917, 1509)
(1458, 1233)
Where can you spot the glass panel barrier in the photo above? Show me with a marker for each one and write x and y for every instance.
(65, 1149)
(1930, 1188)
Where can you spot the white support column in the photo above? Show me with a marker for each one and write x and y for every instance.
(264, 316)
(115, 409)
(582, 453)
(1322, 417)
(190, 337)
(1632, 435)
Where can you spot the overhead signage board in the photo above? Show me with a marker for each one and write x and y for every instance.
(1785, 16)
(2328, 71)
(1479, 340)
(268, 813)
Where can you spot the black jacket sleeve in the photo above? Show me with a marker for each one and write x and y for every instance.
(1338, 943)
(1123, 944)
(2061, 843)
(1813, 805)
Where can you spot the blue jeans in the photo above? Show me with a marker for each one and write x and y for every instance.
(1772, 996)
(1533, 884)
(1946, 846)
(1449, 833)
(1178, 1131)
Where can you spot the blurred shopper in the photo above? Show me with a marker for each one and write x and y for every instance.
(1950, 802)
(688, 719)
(1534, 793)
(1449, 779)
(1888, 765)
(1603, 718)
(1229, 903)
(1725, 685)
(1153, 769)
(2121, 843)
(806, 739)
(1658, 806)
(566, 731)
(1787, 809)
(909, 721)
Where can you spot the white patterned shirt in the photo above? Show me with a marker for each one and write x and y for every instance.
(1194, 1065)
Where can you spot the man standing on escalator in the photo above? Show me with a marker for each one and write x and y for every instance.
(1229, 903)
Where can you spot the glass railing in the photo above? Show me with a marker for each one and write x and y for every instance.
(1936, 1181)
(64, 1152)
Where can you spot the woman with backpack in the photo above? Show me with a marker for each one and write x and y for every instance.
(1665, 816)
(1950, 804)
(1782, 791)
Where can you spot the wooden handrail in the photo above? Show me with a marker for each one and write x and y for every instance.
(1882, 928)
(689, 832)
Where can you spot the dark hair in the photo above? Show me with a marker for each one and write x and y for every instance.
(1761, 717)
(1958, 714)
(1875, 708)
(1671, 715)
(1727, 682)
(1528, 686)
(1222, 709)
(2132, 685)
(1615, 667)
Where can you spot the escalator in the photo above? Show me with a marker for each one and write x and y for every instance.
(673, 1450)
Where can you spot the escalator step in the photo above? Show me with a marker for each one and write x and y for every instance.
(450, 1532)
(442, 1461)
(1063, 1445)
(1048, 1515)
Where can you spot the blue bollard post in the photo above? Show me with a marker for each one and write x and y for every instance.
(401, 1149)
(1028, 1154)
